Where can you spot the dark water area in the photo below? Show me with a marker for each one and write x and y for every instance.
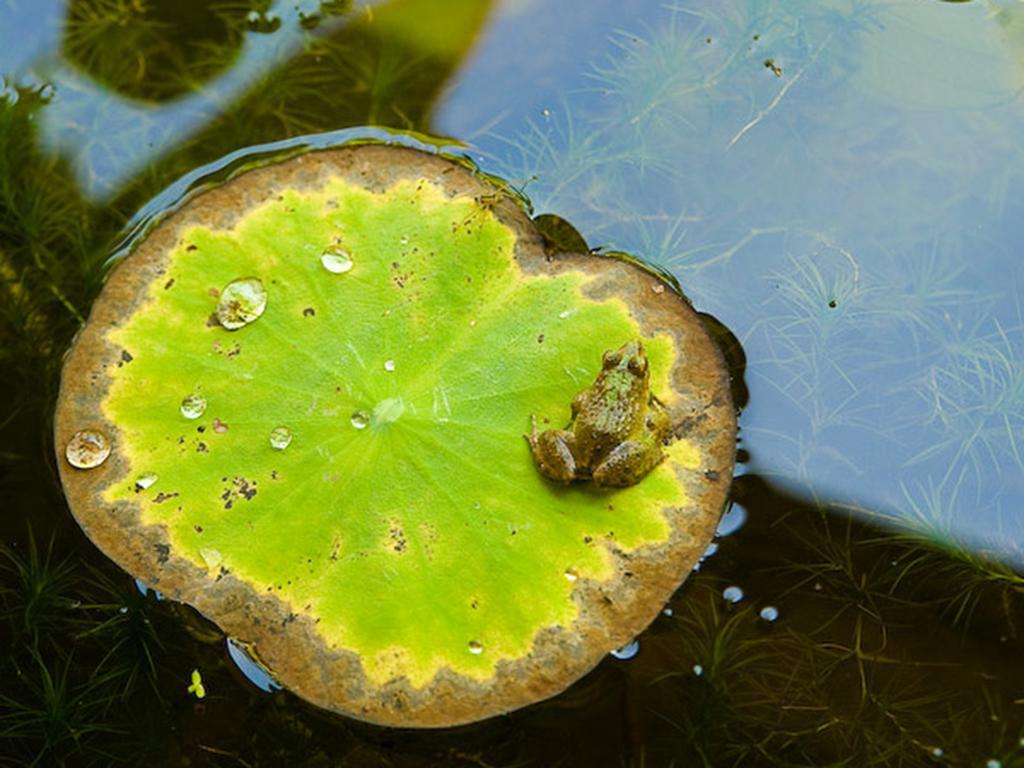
(840, 183)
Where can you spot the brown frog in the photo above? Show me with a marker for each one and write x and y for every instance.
(617, 430)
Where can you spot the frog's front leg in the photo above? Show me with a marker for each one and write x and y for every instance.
(627, 463)
(554, 453)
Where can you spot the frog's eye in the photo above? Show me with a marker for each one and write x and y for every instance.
(611, 359)
(638, 366)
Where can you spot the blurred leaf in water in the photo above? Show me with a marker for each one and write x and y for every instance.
(385, 65)
(153, 50)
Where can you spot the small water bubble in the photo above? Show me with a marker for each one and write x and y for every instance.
(123, 609)
(193, 406)
(666, 611)
(698, 670)
(710, 551)
(280, 438)
(732, 521)
(993, 763)
(389, 365)
(475, 647)
(87, 449)
(769, 613)
(211, 557)
(565, 313)
(142, 482)
(404, 240)
(241, 302)
(571, 575)
(733, 594)
(937, 752)
(628, 651)
(360, 419)
(336, 260)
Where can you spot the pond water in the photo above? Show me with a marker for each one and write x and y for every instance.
(839, 182)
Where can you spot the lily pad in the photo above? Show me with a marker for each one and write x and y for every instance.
(355, 500)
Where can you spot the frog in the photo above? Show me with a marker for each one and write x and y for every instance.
(618, 427)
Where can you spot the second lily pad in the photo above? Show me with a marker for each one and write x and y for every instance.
(355, 500)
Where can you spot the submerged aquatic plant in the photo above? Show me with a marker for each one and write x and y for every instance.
(47, 718)
(37, 589)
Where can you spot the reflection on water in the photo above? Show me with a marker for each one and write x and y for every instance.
(838, 182)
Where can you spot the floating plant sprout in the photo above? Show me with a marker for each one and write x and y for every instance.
(241, 302)
(87, 449)
(336, 260)
(389, 495)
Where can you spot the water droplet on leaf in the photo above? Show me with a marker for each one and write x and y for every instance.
(280, 438)
(475, 647)
(241, 302)
(389, 410)
(571, 575)
(360, 419)
(211, 557)
(389, 365)
(193, 406)
(698, 670)
(87, 449)
(336, 260)
(145, 481)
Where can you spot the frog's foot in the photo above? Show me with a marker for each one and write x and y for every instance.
(627, 464)
(553, 453)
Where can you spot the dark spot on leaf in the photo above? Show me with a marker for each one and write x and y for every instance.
(540, 339)
(169, 283)
(711, 474)
(161, 497)
(201, 448)
(163, 554)
(308, 312)
(212, 321)
(192, 247)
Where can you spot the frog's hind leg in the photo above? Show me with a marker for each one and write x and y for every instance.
(627, 464)
(553, 452)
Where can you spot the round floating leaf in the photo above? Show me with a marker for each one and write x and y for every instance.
(342, 480)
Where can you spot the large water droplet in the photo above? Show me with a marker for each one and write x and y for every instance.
(193, 406)
(769, 613)
(280, 438)
(241, 302)
(336, 260)
(698, 670)
(628, 651)
(87, 449)
(360, 419)
(475, 647)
